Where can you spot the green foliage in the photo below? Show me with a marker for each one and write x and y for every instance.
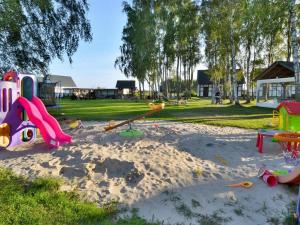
(32, 33)
(157, 101)
(157, 34)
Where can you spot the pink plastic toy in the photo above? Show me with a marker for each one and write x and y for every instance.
(21, 113)
(269, 178)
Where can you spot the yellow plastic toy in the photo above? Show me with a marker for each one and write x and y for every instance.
(244, 184)
(4, 135)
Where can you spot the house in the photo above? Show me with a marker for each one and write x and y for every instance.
(64, 84)
(107, 93)
(275, 84)
(289, 116)
(205, 85)
(80, 93)
(126, 87)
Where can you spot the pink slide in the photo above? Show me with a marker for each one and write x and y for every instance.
(48, 125)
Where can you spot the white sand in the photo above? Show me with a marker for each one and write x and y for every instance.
(174, 173)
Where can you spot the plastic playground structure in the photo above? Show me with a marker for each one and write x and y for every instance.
(22, 113)
(154, 108)
(290, 145)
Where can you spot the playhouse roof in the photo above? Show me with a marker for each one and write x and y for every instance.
(293, 108)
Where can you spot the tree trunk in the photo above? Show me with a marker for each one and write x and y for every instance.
(177, 79)
(234, 74)
(150, 89)
(228, 77)
(140, 89)
(295, 48)
(188, 88)
(191, 82)
(289, 50)
(184, 76)
(253, 71)
(143, 86)
(180, 76)
(248, 49)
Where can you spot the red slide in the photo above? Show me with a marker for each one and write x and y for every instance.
(48, 125)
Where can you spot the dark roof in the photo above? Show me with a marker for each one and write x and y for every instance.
(203, 77)
(293, 108)
(280, 69)
(121, 84)
(64, 81)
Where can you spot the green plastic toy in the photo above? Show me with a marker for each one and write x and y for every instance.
(280, 172)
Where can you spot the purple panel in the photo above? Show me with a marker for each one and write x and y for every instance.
(4, 100)
(9, 99)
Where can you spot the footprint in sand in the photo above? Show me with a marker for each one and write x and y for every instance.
(115, 168)
(218, 176)
(189, 159)
(123, 190)
(103, 184)
(147, 166)
(71, 172)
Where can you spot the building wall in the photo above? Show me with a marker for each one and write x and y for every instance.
(202, 89)
(276, 90)
(106, 93)
(62, 91)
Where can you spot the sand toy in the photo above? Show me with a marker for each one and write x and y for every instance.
(244, 184)
(290, 145)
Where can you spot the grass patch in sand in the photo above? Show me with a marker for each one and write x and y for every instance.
(289, 218)
(195, 111)
(214, 219)
(40, 202)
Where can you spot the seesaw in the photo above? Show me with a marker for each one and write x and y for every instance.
(154, 109)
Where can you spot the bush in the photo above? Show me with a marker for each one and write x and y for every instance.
(73, 97)
(194, 93)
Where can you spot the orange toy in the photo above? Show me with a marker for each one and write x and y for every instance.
(244, 184)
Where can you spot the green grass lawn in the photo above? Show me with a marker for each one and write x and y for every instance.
(40, 202)
(196, 111)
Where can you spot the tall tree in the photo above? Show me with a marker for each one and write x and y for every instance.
(158, 34)
(32, 33)
(295, 47)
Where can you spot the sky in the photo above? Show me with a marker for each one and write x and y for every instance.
(93, 63)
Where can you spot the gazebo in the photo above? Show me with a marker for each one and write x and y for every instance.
(275, 84)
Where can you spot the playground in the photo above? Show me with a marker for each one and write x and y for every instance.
(176, 172)
(171, 172)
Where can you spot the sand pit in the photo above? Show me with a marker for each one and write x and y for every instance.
(176, 173)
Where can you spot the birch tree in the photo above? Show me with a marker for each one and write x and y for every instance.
(295, 47)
